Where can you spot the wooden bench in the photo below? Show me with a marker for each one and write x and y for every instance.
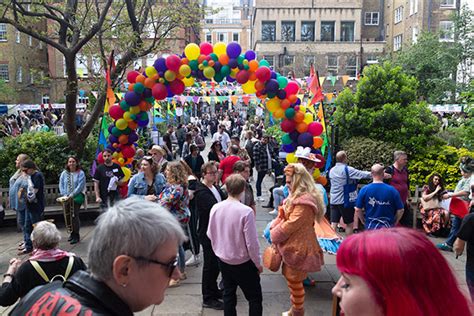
(52, 207)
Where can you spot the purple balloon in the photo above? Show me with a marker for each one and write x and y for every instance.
(294, 136)
(250, 55)
(281, 94)
(305, 139)
(133, 137)
(271, 86)
(110, 127)
(233, 63)
(147, 93)
(113, 139)
(142, 123)
(217, 67)
(289, 148)
(111, 148)
(160, 64)
(233, 50)
(298, 101)
(274, 75)
(132, 98)
(229, 79)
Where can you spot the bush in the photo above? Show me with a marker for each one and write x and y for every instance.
(442, 159)
(275, 131)
(363, 152)
(47, 150)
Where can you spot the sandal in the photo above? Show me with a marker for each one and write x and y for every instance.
(174, 283)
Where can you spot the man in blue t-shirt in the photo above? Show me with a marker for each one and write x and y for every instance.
(381, 202)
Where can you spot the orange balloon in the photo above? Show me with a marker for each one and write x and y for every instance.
(130, 87)
(201, 58)
(252, 76)
(259, 85)
(253, 65)
(143, 106)
(184, 61)
(212, 63)
(123, 139)
(285, 104)
(292, 98)
(322, 180)
(224, 59)
(129, 161)
(299, 117)
(149, 83)
(302, 127)
(140, 78)
(317, 142)
(132, 125)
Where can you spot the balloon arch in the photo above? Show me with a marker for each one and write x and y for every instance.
(171, 75)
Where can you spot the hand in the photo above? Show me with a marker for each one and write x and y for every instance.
(98, 200)
(260, 270)
(438, 188)
(387, 176)
(14, 265)
(151, 198)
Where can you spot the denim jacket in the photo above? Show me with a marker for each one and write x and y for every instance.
(79, 183)
(138, 186)
(16, 202)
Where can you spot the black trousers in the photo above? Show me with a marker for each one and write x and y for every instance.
(210, 272)
(258, 184)
(407, 217)
(245, 276)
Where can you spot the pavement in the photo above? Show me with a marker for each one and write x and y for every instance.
(186, 300)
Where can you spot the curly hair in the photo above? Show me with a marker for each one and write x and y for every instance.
(432, 186)
(176, 174)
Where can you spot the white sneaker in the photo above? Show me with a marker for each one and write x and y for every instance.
(274, 212)
(193, 261)
(260, 199)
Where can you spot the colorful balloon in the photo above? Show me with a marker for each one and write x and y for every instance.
(173, 63)
(192, 51)
(317, 142)
(315, 128)
(220, 48)
(233, 50)
(263, 73)
(206, 48)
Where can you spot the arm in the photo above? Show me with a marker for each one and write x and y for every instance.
(282, 232)
(458, 246)
(361, 214)
(131, 187)
(428, 196)
(9, 291)
(358, 174)
(62, 184)
(81, 184)
(251, 239)
(96, 191)
(398, 215)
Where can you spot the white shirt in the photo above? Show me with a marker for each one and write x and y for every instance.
(223, 138)
(471, 183)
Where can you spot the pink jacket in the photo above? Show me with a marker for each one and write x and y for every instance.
(293, 234)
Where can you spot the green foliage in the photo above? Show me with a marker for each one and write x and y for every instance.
(6, 92)
(47, 150)
(363, 152)
(384, 107)
(441, 159)
(275, 131)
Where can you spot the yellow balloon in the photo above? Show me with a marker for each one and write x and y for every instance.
(220, 49)
(150, 71)
(126, 172)
(209, 72)
(273, 104)
(114, 155)
(170, 75)
(134, 109)
(192, 51)
(127, 116)
(188, 82)
(121, 161)
(279, 113)
(184, 70)
(316, 174)
(303, 108)
(249, 87)
(121, 124)
(290, 158)
(308, 118)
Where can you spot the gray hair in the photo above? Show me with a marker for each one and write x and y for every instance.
(133, 227)
(397, 154)
(45, 235)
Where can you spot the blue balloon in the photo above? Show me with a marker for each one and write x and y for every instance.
(294, 136)
(272, 86)
(274, 75)
(233, 63)
(147, 93)
(289, 148)
(281, 94)
(305, 139)
(160, 64)
(298, 101)
(233, 50)
(250, 55)
(132, 98)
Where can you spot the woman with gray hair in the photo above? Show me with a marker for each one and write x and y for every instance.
(132, 257)
(47, 263)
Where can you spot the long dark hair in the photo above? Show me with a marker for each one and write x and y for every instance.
(432, 187)
(78, 164)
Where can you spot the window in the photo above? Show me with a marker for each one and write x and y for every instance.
(235, 37)
(268, 31)
(288, 60)
(271, 60)
(397, 42)
(413, 6)
(4, 72)
(398, 14)
(308, 61)
(351, 66)
(414, 35)
(3, 32)
(288, 31)
(222, 37)
(209, 38)
(19, 74)
(448, 4)
(371, 18)
(327, 31)
(81, 66)
(332, 66)
(446, 31)
(307, 31)
(347, 31)
(30, 41)
(18, 37)
(45, 99)
(372, 59)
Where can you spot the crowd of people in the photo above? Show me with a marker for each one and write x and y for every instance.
(207, 204)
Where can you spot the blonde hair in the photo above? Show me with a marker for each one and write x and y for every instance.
(302, 183)
(177, 173)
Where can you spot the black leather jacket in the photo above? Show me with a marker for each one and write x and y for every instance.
(81, 293)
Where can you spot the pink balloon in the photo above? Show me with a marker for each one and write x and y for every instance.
(263, 73)
(116, 112)
(132, 76)
(159, 91)
(242, 76)
(206, 48)
(288, 126)
(176, 86)
(100, 159)
(315, 128)
(292, 88)
(173, 62)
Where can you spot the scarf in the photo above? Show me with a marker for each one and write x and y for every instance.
(49, 255)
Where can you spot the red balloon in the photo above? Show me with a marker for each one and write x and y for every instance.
(206, 48)
(176, 86)
(263, 73)
(292, 88)
(242, 76)
(315, 128)
(159, 91)
(288, 126)
(116, 112)
(321, 164)
(128, 151)
(132, 76)
(173, 63)
(100, 159)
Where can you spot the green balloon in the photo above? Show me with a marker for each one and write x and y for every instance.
(116, 132)
(225, 70)
(138, 88)
(127, 131)
(194, 64)
(263, 62)
(124, 105)
(214, 57)
(150, 100)
(290, 113)
(240, 59)
(271, 95)
(282, 82)
(218, 77)
(286, 139)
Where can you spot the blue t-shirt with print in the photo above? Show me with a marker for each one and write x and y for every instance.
(380, 201)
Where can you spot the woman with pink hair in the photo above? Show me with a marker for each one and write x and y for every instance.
(393, 272)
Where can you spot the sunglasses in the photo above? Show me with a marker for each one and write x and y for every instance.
(170, 266)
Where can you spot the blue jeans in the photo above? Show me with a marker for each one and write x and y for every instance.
(20, 218)
(278, 196)
(31, 217)
(455, 225)
(181, 258)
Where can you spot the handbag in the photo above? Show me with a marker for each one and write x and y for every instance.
(79, 199)
(350, 191)
(271, 258)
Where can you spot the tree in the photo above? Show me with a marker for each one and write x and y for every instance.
(384, 108)
(5, 91)
(133, 27)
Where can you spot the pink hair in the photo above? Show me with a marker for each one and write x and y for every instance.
(407, 274)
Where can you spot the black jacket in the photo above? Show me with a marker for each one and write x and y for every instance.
(81, 291)
(199, 162)
(205, 200)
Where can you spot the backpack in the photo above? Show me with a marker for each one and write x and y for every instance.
(43, 275)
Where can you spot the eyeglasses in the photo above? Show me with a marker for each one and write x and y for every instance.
(170, 266)
(211, 172)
